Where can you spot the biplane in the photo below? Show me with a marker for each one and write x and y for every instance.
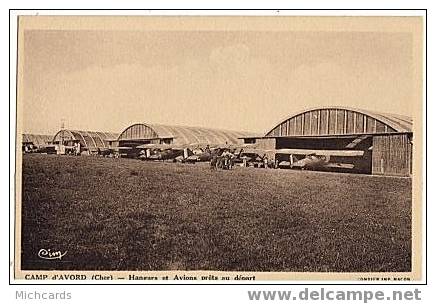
(309, 159)
(164, 152)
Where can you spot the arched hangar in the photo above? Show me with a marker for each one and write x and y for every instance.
(37, 140)
(144, 133)
(385, 140)
(89, 141)
(30, 142)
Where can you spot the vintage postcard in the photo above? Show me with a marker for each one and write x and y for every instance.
(219, 148)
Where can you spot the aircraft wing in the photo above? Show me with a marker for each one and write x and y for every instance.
(155, 146)
(178, 147)
(254, 151)
(147, 146)
(253, 146)
(339, 165)
(239, 146)
(321, 152)
(120, 148)
(357, 141)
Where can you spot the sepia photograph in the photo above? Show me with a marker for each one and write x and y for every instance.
(239, 148)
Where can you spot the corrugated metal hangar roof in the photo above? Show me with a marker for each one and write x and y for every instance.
(88, 139)
(37, 139)
(181, 134)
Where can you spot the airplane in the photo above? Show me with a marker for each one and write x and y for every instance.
(313, 162)
(205, 152)
(317, 159)
(116, 151)
(45, 149)
(163, 152)
(253, 156)
(167, 154)
(205, 155)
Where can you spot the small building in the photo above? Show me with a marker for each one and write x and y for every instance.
(385, 139)
(88, 142)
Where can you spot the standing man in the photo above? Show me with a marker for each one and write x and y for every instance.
(78, 149)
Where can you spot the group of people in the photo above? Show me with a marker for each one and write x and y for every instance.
(69, 150)
(262, 162)
(224, 161)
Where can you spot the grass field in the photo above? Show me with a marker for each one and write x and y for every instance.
(121, 214)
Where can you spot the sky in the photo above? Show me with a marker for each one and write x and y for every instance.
(235, 80)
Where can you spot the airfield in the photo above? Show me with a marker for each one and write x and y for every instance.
(126, 214)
